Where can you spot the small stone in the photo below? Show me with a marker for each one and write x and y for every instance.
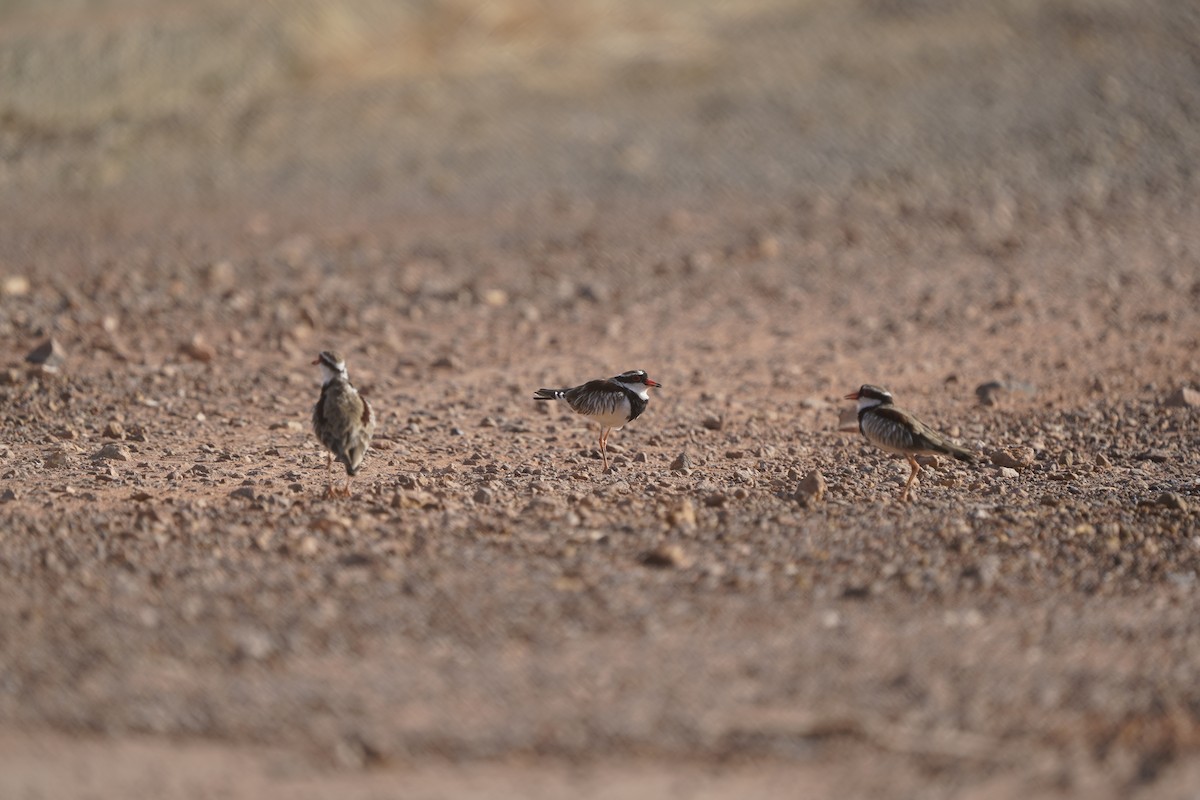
(8, 496)
(253, 644)
(496, 298)
(1008, 472)
(682, 462)
(664, 557)
(1184, 397)
(1102, 461)
(221, 275)
(49, 355)
(58, 458)
(1013, 457)
(990, 393)
(245, 492)
(483, 496)
(1172, 501)
(198, 349)
(812, 489)
(415, 499)
(14, 286)
(114, 430)
(683, 515)
(713, 422)
(112, 452)
(308, 546)
(1066, 458)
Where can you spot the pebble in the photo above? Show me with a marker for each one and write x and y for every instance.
(114, 430)
(112, 452)
(253, 644)
(246, 492)
(198, 350)
(993, 393)
(1012, 457)
(1008, 472)
(49, 355)
(682, 462)
(811, 489)
(1171, 500)
(483, 495)
(1184, 397)
(308, 546)
(15, 286)
(664, 557)
(713, 422)
(989, 393)
(683, 515)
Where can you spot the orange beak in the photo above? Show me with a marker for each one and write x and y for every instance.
(653, 384)
(851, 396)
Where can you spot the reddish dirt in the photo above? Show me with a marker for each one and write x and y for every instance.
(763, 207)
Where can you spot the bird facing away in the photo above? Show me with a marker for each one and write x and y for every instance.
(896, 431)
(342, 419)
(611, 402)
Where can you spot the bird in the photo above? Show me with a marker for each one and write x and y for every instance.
(342, 419)
(896, 431)
(612, 402)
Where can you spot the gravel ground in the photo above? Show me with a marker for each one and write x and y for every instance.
(991, 211)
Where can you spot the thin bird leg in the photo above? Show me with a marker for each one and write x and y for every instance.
(912, 477)
(604, 446)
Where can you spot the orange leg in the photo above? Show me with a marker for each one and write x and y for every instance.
(329, 474)
(912, 462)
(604, 446)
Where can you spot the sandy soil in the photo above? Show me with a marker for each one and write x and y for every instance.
(763, 204)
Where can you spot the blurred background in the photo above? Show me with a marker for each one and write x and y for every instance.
(763, 203)
(984, 113)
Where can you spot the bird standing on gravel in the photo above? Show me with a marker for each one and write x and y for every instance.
(896, 431)
(611, 402)
(342, 419)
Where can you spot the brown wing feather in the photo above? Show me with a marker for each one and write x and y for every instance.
(919, 437)
(595, 398)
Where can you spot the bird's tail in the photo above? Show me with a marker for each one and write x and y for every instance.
(549, 394)
(961, 453)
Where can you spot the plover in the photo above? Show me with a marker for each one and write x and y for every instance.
(612, 402)
(342, 419)
(896, 431)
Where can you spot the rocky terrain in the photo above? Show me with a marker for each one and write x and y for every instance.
(987, 208)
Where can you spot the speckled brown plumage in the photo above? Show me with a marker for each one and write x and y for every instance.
(342, 419)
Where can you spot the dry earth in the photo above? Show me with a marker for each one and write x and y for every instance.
(763, 204)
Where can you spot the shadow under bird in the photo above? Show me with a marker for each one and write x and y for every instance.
(896, 431)
(612, 402)
(342, 419)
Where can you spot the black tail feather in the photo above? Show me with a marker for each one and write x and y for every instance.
(961, 454)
